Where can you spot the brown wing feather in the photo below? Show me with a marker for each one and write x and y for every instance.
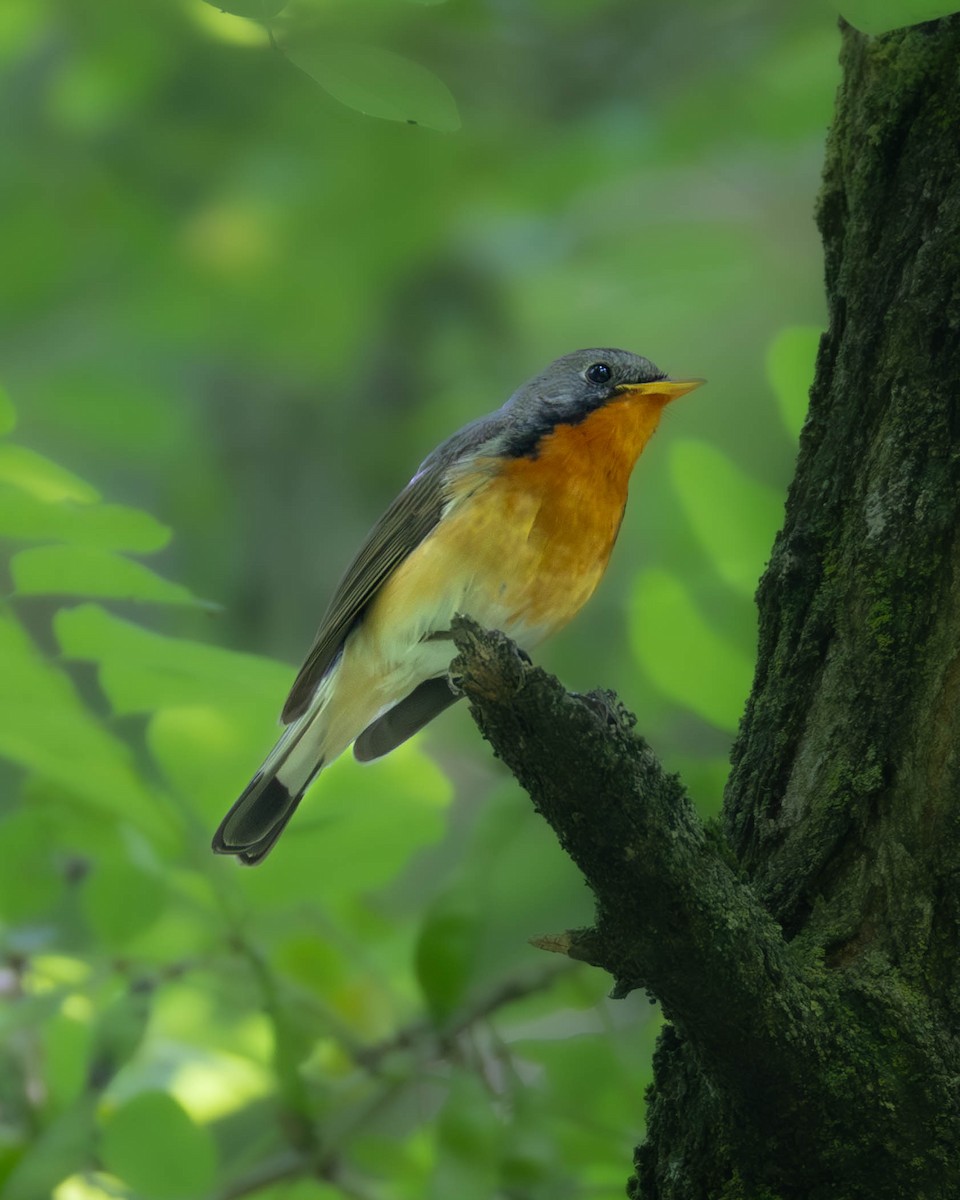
(401, 529)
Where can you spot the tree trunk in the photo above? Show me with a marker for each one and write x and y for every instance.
(806, 954)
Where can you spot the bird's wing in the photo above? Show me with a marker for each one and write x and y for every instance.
(408, 520)
(405, 524)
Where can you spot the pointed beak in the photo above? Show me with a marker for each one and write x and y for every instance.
(665, 389)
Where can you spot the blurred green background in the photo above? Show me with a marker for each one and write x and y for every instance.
(235, 313)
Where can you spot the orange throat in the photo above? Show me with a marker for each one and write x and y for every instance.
(603, 448)
(582, 471)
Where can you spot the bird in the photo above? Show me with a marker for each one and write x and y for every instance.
(510, 521)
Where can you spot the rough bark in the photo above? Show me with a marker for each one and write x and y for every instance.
(806, 950)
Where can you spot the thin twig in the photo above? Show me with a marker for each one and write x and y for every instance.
(425, 1035)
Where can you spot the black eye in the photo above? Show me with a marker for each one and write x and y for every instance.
(598, 373)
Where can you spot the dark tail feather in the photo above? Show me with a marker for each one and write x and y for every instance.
(404, 719)
(257, 819)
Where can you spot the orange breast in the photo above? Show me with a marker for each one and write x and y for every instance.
(582, 471)
(568, 504)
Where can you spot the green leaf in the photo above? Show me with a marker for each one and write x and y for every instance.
(89, 571)
(142, 671)
(446, 950)
(29, 892)
(66, 1043)
(791, 360)
(106, 526)
(8, 414)
(59, 1150)
(121, 1025)
(880, 16)
(257, 10)
(45, 729)
(686, 659)
(298, 1189)
(155, 1148)
(734, 517)
(42, 478)
(379, 83)
(120, 900)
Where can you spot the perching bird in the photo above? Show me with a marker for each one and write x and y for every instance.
(510, 521)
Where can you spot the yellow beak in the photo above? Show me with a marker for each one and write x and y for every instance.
(669, 389)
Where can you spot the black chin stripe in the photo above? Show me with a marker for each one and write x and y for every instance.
(524, 442)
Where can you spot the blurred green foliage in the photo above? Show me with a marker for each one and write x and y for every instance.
(235, 308)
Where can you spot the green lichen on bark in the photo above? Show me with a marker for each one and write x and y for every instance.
(806, 951)
(859, 665)
(771, 1050)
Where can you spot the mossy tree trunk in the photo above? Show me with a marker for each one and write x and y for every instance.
(807, 951)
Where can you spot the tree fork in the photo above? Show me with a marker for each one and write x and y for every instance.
(806, 952)
(765, 1019)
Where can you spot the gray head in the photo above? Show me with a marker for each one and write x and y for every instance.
(577, 384)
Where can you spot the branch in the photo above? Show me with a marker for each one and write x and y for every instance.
(671, 916)
(424, 1038)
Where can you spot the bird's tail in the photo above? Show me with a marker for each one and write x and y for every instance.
(270, 799)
